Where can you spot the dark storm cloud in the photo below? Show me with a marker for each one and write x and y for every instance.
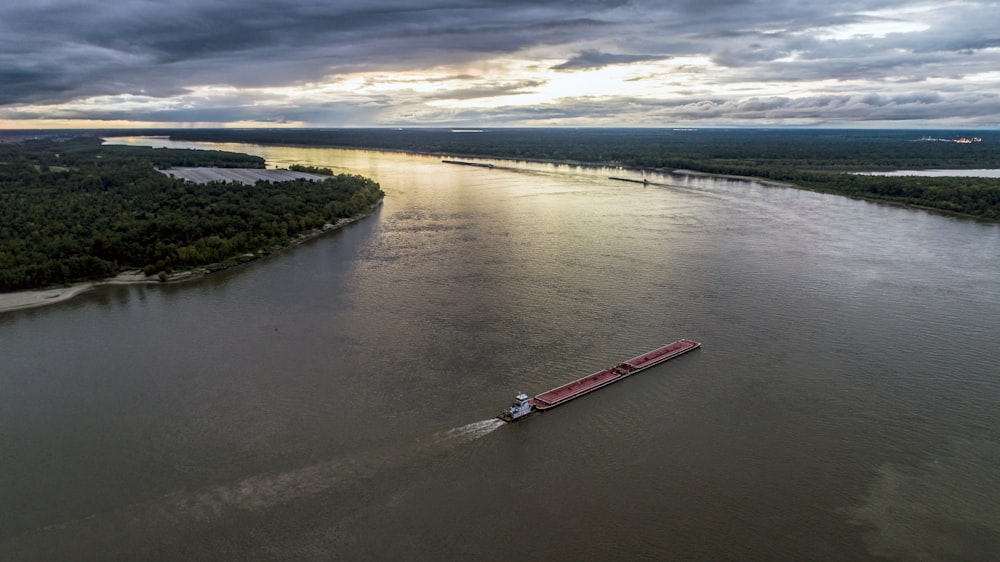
(833, 109)
(57, 51)
(817, 110)
(596, 59)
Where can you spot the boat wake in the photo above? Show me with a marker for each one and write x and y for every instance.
(187, 511)
(266, 490)
(475, 430)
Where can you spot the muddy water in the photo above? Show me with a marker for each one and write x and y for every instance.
(334, 401)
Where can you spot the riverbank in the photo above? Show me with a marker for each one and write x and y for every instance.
(33, 298)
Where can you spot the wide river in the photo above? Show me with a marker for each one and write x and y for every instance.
(335, 401)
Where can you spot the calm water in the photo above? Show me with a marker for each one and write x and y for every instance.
(334, 401)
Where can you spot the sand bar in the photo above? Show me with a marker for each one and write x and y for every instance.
(29, 299)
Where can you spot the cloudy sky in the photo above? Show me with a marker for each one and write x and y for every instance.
(481, 63)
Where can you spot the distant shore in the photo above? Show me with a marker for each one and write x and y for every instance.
(32, 298)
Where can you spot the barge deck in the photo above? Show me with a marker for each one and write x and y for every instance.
(579, 387)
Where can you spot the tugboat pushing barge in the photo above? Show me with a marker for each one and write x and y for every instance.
(522, 405)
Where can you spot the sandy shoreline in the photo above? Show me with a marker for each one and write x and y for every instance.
(40, 297)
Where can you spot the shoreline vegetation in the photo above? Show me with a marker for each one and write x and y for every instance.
(75, 214)
(821, 160)
(20, 300)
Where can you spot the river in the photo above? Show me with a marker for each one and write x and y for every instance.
(335, 401)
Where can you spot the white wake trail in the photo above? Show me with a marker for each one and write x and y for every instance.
(475, 430)
(187, 511)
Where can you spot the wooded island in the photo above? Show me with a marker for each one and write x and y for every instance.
(74, 210)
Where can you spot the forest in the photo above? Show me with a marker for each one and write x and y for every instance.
(73, 210)
(817, 159)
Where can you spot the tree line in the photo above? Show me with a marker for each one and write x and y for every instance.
(76, 210)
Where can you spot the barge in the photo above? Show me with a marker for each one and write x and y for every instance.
(523, 405)
(464, 163)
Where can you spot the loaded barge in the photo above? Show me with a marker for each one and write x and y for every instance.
(464, 163)
(523, 405)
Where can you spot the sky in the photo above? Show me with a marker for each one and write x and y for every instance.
(510, 63)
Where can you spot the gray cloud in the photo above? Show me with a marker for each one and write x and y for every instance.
(58, 51)
(973, 110)
(246, 42)
(489, 91)
(592, 58)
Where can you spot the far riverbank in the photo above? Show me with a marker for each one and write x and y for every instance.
(814, 160)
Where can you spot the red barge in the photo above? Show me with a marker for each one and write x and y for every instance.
(523, 405)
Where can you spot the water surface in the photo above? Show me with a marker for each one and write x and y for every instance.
(334, 401)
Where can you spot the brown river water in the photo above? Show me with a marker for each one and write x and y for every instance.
(335, 401)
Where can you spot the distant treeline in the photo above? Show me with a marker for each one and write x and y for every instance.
(76, 210)
(814, 159)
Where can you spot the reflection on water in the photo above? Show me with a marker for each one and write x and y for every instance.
(316, 403)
